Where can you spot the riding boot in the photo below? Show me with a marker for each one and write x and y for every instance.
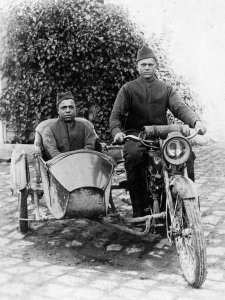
(134, 197)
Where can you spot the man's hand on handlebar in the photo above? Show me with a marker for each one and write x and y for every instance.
(200, 127)
(119, 138)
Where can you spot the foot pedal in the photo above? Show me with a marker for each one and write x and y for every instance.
(126, 200)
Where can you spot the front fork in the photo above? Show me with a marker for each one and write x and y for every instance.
(177, 187)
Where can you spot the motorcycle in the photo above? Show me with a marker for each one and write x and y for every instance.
(173, 199)
(80, 183)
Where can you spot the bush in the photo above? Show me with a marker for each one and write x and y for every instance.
(79, 45)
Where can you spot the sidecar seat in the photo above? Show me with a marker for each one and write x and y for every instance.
(38, 141)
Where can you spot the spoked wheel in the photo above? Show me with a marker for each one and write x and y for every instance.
(23, 212)
(189, 241)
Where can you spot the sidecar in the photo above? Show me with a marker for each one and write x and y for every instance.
(72, 184)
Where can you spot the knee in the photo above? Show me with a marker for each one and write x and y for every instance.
(133, 158)
(134, 155)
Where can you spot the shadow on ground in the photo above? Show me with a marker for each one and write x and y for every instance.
(86, 242)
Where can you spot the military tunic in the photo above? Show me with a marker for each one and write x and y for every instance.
(59, 137)
(142, 103)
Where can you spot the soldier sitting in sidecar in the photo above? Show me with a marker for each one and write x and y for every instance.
(75, 177)
(67, 166)
(67, 133)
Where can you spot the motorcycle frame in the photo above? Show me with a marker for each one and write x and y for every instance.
(183, 185)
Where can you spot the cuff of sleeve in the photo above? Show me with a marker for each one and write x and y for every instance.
(194, 123)
(115, 131)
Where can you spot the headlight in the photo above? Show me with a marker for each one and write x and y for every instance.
(176, 150)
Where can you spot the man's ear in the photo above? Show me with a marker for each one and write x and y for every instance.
(137, 67)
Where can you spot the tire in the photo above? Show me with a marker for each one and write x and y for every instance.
(190, 242)
(23, 212)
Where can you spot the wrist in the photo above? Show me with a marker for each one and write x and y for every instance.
(115, 131)
(197, 122)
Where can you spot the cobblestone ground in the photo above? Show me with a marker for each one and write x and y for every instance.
(82, 259)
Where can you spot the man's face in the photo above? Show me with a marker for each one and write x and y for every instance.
(67, 110)
(146, 67)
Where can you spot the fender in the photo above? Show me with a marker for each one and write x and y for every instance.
(184, 186)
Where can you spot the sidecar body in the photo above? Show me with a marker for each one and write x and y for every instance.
(77, 183)
(72, 184)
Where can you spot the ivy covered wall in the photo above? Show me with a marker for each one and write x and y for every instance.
(84, 46)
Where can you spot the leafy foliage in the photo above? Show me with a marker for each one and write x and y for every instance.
(56, 45)
(166, 73)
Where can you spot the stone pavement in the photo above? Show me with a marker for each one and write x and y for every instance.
(82, 259)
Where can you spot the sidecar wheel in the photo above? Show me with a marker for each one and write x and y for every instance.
(23, 212)
(190, 242)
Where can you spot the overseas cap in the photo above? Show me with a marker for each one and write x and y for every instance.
(145, 52)
(64, 96)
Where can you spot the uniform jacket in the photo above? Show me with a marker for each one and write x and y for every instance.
(59, 137)
(142, 103)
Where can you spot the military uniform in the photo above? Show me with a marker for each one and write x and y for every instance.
(61, 137)
(140, 103)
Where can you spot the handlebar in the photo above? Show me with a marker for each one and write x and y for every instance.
(132, 137)
(126, 138)
(138, 138)
(160, 131)
(191, 136)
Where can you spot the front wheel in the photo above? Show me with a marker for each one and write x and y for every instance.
(23, 213)
(189, 241)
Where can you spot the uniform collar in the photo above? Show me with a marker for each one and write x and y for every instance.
(68, 124)
(148, 82)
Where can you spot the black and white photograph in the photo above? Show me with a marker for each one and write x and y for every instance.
(112, 149)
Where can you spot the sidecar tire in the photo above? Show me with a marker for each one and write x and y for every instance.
(23, 212)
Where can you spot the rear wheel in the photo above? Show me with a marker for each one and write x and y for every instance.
(23, 212)
(189, 241)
